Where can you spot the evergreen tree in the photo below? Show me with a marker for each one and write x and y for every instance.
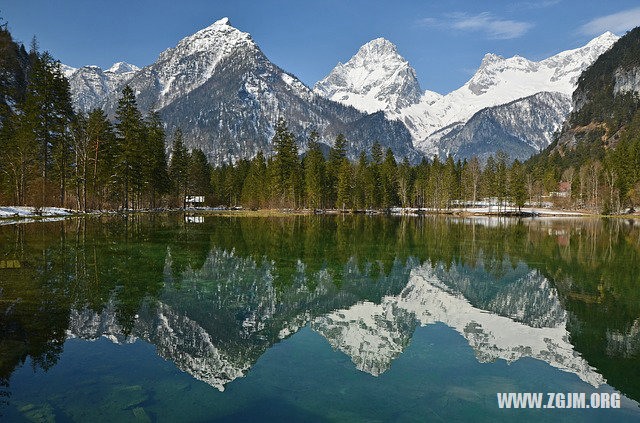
(489, 178)
(129, 160)
(337, 154)
(47, 114)
(286, 172)
(389, 178)
(199, 174)
(517, 185)
(315, 173)
(179, 167)
(155, 160)
(345, 180)
(254, 188)
(103, 151)
(405, 182)
(360, 182)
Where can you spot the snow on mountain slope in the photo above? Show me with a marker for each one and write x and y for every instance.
(90, 84)
(499, 81)
(362, 83)
(188, 65)
(226, 95)
(522, 128)
(375, 78)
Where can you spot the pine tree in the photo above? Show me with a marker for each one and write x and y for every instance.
(314, 173)
(373, 186)
(337, 154)
(489, 178)
(102, 157)
(360, 182)
(155, 159)
(129, 161)
(179, 167)
(517, 185)
(389, 176)
(286, 166)
(405, 182)
(345, 187)
(47, 114)
(254, 187)
(199, 175)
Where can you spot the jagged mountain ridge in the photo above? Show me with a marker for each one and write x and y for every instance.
(497, 81)
(218, 86)
(224, 93)
(90, 84)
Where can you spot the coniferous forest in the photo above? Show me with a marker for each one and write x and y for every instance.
(51, 155)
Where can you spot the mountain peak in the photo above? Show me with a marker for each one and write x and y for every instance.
(378, 46)
(489, 59)
(607, 38)
(222, 22)
(376, 78)
(122, 67)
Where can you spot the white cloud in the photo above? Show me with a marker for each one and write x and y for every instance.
(540, 4)
(490, 25)
(616, 22)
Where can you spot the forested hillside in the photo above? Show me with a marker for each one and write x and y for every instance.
(598, 150)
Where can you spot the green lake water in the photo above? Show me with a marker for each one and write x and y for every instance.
(167, 317)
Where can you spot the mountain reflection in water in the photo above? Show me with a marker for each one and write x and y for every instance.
(215, 295)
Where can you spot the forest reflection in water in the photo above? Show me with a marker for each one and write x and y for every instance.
(214, 294)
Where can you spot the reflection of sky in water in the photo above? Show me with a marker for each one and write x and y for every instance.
(400, 339)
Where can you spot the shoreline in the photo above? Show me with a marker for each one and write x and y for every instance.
(27, 214)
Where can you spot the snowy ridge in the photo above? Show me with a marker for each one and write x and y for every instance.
(522, 127)
(90, 84)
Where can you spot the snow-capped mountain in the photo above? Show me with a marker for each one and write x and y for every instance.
(224, 93)
(376, 78)
(497, 81)
(90, 84)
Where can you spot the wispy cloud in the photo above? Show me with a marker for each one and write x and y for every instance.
(541, 4)
(492, 26)
(616, 22)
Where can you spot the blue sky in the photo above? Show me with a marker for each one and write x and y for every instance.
(443, 40)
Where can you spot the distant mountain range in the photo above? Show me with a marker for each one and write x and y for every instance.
(225, 94)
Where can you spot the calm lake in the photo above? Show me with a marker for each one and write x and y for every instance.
(167, 317)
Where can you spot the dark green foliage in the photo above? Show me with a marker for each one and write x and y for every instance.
(286, 167)
(597, 151)
(179, 167)
(314, 174)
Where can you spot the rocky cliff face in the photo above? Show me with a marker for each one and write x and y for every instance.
(521, 128)
(605, 99)
(376, 78)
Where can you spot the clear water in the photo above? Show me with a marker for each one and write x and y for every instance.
(157, 318)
